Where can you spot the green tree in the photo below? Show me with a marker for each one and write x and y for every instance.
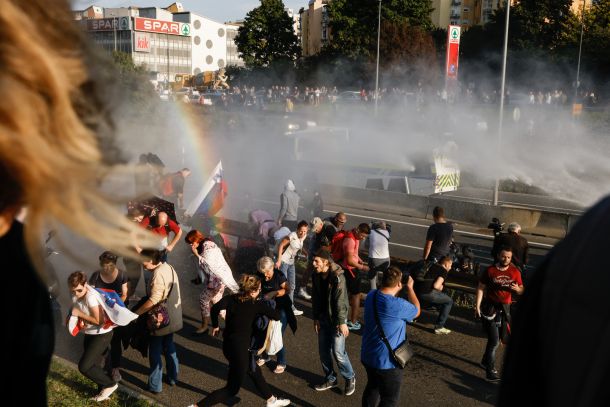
(353, 23)
(267, 36)
(414, 63)
(596, 40)
(135, 87)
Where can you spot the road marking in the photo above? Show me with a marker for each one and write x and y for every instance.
(406, 245)
(462, 232)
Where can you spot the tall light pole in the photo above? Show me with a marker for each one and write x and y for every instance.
(582, 31)
(501, 121)
(377, 70)
(114, 23)
(167, 43)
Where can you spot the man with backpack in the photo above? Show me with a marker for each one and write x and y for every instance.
(379, 250)
(171, 186)
(345, 246)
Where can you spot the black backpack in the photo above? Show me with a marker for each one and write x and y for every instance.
(419, 270)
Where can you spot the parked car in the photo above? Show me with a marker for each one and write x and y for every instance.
(348, 97)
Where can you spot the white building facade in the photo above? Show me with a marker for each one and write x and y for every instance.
(209, 42)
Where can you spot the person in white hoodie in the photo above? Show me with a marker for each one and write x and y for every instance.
(289, 206)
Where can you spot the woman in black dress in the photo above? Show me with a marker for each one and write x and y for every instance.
(242, 309)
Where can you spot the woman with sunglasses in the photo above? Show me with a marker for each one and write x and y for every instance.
(109, 277)
(87, 307)
(242, 309)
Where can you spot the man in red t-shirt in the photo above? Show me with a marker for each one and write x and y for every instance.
(494, 296)
(354, 266)
(162, 227)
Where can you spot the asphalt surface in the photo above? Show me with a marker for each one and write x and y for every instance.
(409, 233)
(444, 371)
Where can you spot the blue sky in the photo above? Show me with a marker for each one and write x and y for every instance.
(218, 10)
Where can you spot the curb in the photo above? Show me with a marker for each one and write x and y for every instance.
(127, 389)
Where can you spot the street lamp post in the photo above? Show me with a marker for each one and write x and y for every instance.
(167, 43)
(582, 31)
(377, 69)
(501, 120)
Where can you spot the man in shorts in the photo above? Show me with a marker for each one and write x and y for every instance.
(354, 267)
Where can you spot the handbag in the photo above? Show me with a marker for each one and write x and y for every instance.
(275, 341)
(403, 353)
(158, 315)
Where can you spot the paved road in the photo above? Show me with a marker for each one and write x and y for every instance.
(409, 233)
(444, 372)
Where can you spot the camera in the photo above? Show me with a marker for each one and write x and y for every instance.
(496, 225)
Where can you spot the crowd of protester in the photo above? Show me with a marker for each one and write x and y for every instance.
(251, 97)
(335, 279)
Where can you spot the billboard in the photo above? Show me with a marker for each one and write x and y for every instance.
(162, 27)
(109, 24)
(453, 51)
(141, 42)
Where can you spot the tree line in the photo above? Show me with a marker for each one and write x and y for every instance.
(543, 44)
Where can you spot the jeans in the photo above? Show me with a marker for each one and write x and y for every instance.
(281, 355)
(89, 364)
(492, 328)
(332, 343)
(161, 345)
(382, 387)
(443, 301)
(290, 273)
(116, 346)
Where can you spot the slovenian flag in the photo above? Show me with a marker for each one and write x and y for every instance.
(115, 312)
(210, 199)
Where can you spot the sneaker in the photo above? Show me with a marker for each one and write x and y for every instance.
(442, 331)
(279, 369)
(276, 402)
(116, 375)
(262, 361)
(354, 326)
(105, 393)
(350, 386)
(297, 312)
(303, 294)
(326, 385)
(492, 376)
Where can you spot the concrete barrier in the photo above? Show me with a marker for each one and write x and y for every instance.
(535, 221)
(375, 200)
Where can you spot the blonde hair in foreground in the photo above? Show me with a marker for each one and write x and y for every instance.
(50, 160)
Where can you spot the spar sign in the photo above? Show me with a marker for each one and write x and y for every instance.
(453, 51)
(164, 27)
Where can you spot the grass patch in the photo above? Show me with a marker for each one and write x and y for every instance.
(66, 387)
